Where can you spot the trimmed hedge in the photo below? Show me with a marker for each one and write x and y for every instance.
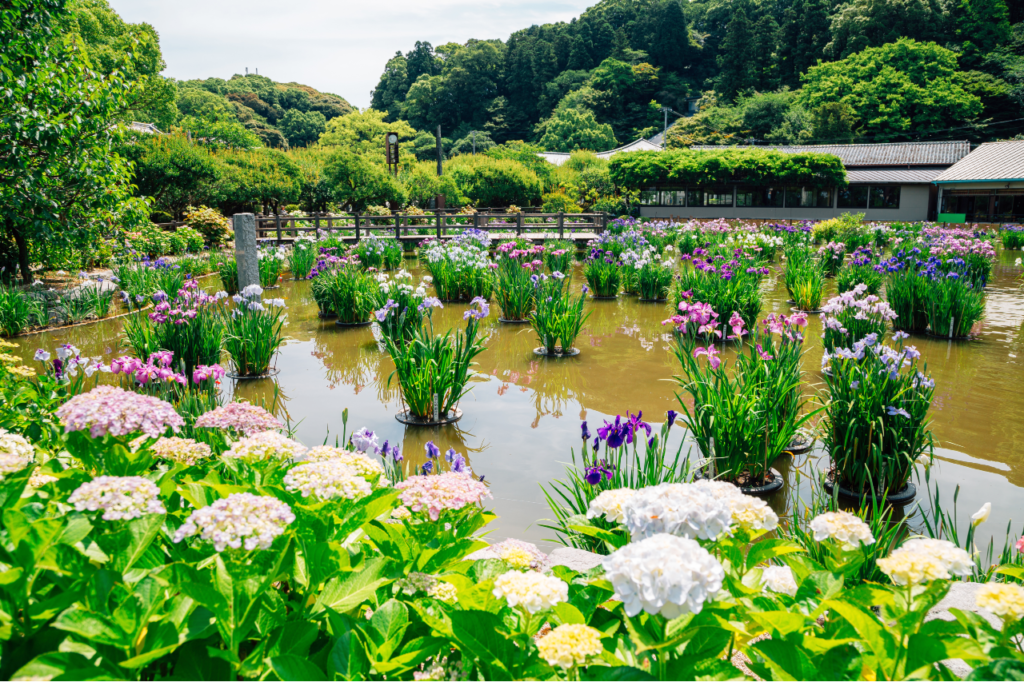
(638, 170)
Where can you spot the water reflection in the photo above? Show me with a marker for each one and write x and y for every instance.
(522, 414)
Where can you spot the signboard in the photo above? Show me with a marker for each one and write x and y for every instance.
(391, 150)
(952, 217)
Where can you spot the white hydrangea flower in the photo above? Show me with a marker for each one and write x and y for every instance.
(182, 450)
(752, 513)
(686, 509)
(926, 559)
(533, 591)
(609, 504)
(847, 529)
(519, 554)
(326, 480)
(237, 521)
(38, 479)
(16, 453)
(265, 446)
(120, 498)
(779, 579)
(663, 574)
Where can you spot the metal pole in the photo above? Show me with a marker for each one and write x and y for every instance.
(440, 153)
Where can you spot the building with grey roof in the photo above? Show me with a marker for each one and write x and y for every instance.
(986, 186)
(887, 181)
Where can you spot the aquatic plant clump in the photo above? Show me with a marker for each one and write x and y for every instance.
(559, 317)
(460, 267)
(877, 414)
(852, 316)
(729, 285)
(253, 331)
(954, 303)
(270, 260)
(603, 272)
(862, 268)
(378, 253)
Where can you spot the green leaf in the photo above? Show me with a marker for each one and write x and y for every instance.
(92, 627)
(352, 589)
(622, 673)
(291, 667)
(875, 636)
(928, 648)
(387, 627)
(780, 623)
(348, 657)
(58, 665)
(478, 635)
(770, 548)
(787, 662)
(567, 614)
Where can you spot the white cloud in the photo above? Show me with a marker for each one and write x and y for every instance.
(338, 47)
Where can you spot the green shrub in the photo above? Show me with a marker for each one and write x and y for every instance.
(495, 182)
(208, 222)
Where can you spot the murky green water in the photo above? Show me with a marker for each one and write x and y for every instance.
(522, 416)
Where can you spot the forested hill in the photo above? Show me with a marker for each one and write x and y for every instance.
(601, 79)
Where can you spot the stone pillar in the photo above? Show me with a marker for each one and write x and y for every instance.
(245, 249)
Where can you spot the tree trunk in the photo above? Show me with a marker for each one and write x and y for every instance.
(17, 231)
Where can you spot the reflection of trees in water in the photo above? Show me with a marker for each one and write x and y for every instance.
(555, 383)
(356, 365)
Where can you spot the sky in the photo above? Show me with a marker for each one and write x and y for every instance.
(337, 47)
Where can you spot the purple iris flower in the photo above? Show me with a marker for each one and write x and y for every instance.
(433, 452)
(635, 424)
(427, 468)
(586, 432)
(650, 442)
(593, 474)
(893, 411)
(615, 434)
(672, 417)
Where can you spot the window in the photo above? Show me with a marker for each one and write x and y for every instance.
(822, 198)
(718, 196)
(694, 197)
(853, 196)
(885, 196)
(673, 197)
(760, 197)
(649, 197)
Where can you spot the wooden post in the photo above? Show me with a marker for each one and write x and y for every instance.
(357, 227)
(316, 222)
(277, 224)
(438, 216)
(398, 226)
(330, 223)
(519, 224)
(561, 224)
(476, 221)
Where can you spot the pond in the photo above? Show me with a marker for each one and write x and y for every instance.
(522, 417)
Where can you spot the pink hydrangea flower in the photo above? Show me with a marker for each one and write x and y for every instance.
(440, 492)
(108, 409)
(244, 417)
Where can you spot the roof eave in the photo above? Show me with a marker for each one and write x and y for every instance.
(949, 182)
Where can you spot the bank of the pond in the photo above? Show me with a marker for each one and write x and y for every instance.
(522, 415)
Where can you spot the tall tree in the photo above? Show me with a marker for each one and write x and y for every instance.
(421, 60)
(671, 47)
(392, 87)
(763, 67)
(735, 60)
(980, 25)
(60, 176)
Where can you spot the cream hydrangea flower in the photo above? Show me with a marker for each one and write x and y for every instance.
(533, 591)
(369, 469)
(16, 453)
(238, 520)
(752, 513)
(327, 480)
(663, 574)
(38, 479)
(692, 510)
(443, 591)
(925, 559)
(845, 528)
(265, 446)
(182, 450)
(519, 554)
(779, 579)
(609, 504)
(570, 645)
(1005, 600)
(120, 498)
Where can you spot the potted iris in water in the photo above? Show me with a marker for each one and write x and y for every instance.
(742, 419)
(653, 277)
(729, 286)
(603, 272)
(876, 416)
(351, 293)
(270, 261)
(400, 306)
(955, 303)
(433, 370)
(559, 316)
(252, 332)
(460, 267)
(515, 289)
(853, 315)
(862, 269)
